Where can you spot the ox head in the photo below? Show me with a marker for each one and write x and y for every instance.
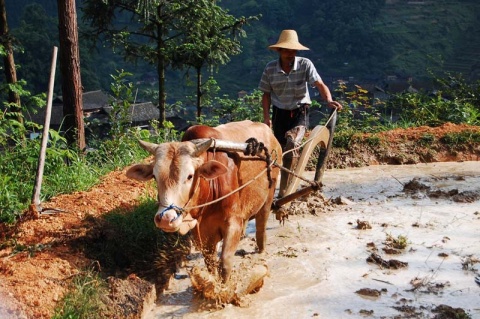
(176, 169)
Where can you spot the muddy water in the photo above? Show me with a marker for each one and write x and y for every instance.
(318, 263)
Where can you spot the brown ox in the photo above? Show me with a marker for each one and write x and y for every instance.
(188, 175)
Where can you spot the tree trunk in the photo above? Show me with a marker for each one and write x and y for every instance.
(199, 92)
(9, 64)
(162, 96)
(70, 69)
(161, 65)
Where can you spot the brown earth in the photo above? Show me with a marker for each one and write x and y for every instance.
(36, 277)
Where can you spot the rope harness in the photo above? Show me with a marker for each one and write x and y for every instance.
(254, 148)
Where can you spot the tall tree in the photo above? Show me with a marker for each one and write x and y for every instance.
(149, 29)
(70, 69)
(208, 40)
(14, 103)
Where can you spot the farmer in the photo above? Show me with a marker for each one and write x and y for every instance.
(284, 86)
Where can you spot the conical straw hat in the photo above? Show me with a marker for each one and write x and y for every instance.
(288, 40)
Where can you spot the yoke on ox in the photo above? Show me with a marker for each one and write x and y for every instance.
(197, 180)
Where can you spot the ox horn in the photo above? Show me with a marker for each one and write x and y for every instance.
(149, 147)
(201, 145)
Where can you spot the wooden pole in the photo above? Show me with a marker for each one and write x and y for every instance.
(35, 206)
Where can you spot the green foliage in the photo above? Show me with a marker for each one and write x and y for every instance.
(210, 90)
(359, 112)
(219, 110)
(84, 298)
(373, 140)
(248, 107)
(343, 138)
(65, 171)
(17, 151)
(357, 38)
(123, 97)
(455, 101)
(171, 34)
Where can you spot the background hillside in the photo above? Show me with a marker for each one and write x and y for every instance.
(349, 39)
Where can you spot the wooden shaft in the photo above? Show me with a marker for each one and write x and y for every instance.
(46, 127)
(301, 192)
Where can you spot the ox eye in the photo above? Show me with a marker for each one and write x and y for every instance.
(190, 177)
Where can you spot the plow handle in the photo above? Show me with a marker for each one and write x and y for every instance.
(323, 154)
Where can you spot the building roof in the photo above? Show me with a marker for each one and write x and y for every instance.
(95, 100)
(142, 112)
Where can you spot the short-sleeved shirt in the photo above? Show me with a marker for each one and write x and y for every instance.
(289, 90)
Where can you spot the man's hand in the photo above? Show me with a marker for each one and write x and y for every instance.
(334, 105)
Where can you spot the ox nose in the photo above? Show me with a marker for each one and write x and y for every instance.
(169, 218)
(158, 219)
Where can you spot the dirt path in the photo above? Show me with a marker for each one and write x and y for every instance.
(318, 263)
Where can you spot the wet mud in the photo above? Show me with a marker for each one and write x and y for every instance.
(376, 242)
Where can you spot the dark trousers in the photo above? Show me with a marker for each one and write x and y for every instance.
(285, 120)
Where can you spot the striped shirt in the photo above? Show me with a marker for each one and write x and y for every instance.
(288, 91)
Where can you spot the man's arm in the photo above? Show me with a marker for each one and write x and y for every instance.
(266, 101)
(326, 95)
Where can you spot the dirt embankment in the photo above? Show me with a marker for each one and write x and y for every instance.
(445, 143)
(38, 258)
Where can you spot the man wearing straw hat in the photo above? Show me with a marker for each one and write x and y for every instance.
(284, 86)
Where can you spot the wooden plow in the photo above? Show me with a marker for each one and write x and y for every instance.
(321, 136)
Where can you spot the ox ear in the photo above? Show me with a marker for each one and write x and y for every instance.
(149, 147)
(140, 172)
(212, 169)
(201, 146)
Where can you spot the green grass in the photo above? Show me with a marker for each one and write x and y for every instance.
(461, 138)
(121, 242)
(127, 240)
(65, 171)
(426, 139)
(84, 298)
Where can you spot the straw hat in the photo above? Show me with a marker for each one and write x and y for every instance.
(288, 40)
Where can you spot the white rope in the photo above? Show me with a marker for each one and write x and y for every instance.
(234, 191)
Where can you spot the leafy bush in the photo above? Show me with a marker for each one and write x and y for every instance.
(360, 113)
(454, 101)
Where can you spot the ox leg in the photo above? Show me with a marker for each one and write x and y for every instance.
(209, 251)
(261, 219)
(230, 245)
(206, 241)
